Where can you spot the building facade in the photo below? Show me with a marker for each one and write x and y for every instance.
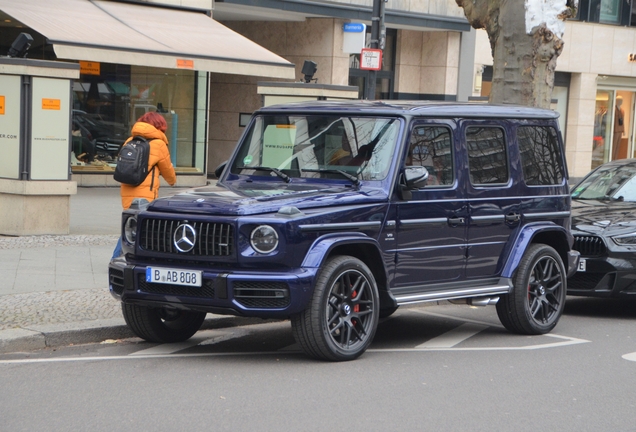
(199, 63)
(595, 85)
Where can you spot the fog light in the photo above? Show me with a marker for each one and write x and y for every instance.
(264, 239)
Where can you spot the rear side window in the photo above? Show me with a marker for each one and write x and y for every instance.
(431, 147)
(487, 160)
(541, 156)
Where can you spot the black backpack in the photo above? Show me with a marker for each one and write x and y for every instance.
(132, 162)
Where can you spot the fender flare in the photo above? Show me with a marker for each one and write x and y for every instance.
(323, 245)
(524, 239)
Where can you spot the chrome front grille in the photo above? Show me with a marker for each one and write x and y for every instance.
(589, 246)
(212, 239)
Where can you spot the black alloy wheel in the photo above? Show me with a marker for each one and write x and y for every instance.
(538, 298)
(341, 320)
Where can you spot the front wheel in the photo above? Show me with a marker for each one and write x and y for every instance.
(162, 325)
(538, 297)
(342, 317)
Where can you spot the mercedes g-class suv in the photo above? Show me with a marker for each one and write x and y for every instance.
(334, 214)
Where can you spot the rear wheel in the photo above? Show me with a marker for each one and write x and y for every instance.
(342, 317)
(538, 297)
(163, 325)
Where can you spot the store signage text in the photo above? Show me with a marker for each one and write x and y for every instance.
(51, 104)
(185, 64)
(90, 68)
(353, 27)
(631, 57)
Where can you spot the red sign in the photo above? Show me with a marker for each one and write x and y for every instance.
(370, 59)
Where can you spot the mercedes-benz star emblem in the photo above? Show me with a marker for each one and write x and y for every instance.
(184, 238)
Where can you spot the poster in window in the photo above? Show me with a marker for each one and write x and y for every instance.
(50, 148)
(10, 126)
(278, 146)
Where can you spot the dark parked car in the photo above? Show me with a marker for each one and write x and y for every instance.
(604, 228)
(107, 137)
(335, 214)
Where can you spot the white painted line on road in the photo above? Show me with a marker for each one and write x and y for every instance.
(129, 357)
(453, 337)
(566, 341)
(630, 356)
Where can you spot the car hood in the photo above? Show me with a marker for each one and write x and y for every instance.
(603, 217)
(259, 199)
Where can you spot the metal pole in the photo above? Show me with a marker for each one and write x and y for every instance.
(375, 43)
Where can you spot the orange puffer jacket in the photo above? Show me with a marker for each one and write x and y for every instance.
(159, 156)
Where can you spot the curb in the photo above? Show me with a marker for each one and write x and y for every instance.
(55, 335)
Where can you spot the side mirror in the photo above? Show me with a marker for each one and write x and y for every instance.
(415, 177)
(219, 170)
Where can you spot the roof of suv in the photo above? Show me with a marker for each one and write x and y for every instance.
(417, 108)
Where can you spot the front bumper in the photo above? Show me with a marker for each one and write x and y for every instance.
(604, 277)
(243, 293)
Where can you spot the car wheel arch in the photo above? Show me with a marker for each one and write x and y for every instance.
(549, 234)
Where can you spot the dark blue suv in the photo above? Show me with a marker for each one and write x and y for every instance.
(334, 214)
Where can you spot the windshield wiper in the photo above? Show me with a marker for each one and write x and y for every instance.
(276, 171)
(355, 180)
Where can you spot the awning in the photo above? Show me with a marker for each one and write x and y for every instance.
(112, 32)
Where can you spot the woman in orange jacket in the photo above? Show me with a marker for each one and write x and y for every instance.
(151, 126)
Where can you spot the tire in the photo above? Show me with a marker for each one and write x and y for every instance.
(162, 325)
(340, 321)
(538, 297)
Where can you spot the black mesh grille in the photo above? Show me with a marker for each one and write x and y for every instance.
(212, 239)
(206, 290)
(589, 245)
(116, 278)
(585, 281)
(261, 294)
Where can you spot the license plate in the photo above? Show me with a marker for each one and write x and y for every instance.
(582, 265)
(173, 276)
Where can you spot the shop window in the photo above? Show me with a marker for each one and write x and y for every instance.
(613, 124)
(107, 101)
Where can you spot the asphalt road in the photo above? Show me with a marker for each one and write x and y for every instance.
(430, 368)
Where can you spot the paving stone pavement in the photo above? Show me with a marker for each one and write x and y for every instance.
(54, 288)
(57, 307)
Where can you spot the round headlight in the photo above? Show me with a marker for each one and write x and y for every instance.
(264, 239)
(130, 230)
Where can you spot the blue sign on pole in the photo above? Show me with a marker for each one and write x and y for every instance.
(353, 27)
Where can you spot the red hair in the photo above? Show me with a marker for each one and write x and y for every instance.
(155, 119)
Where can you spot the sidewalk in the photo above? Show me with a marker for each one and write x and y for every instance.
(54, 289)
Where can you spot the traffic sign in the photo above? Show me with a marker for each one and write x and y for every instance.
(370, 59)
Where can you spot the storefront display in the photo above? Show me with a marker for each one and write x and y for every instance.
(109, 98)
(613, 138)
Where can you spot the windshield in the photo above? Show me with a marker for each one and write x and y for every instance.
(338, 147)
(612, 183)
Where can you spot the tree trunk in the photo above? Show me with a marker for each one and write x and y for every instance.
(523, 63)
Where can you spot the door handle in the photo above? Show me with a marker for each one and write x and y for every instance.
(513, 218)
(456, 221)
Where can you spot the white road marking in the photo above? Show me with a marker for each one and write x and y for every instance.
(205, 337)
(630, 356)
(453, 337)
